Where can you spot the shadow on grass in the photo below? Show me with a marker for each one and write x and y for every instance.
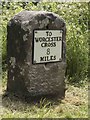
(13, 102)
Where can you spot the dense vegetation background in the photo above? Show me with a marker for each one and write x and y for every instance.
(76, 17)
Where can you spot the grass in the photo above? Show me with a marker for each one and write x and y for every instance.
(74, 105)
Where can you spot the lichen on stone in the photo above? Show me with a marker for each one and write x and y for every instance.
(13, 78)
(25, 37)
(24, 25)
(22, 72)
(36, 21)
(13, 61)
(44, 23)
(11, 71)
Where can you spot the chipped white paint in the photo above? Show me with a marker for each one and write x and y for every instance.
(25, 37)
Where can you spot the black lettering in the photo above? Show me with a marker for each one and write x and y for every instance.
(41, 58)
(47, 39)
(54, 45)
(54, 58)
(46, 57)
(59, 38)
(44, 39)
(49, 44)
(45, 44)
(51, 57)
(49, 33)
(42, 44)
(36, 39)
(48, 51)
(54, 38)
(40, 39)
(51, 39)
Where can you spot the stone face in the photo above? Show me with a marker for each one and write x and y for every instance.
(25, 78)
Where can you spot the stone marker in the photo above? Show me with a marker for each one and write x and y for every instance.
(36, 54)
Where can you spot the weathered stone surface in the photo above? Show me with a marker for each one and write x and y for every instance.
(24, 78)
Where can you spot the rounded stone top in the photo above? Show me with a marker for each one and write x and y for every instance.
(24, 15)
(39, 19)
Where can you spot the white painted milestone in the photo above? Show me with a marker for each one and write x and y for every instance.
(47, 46)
